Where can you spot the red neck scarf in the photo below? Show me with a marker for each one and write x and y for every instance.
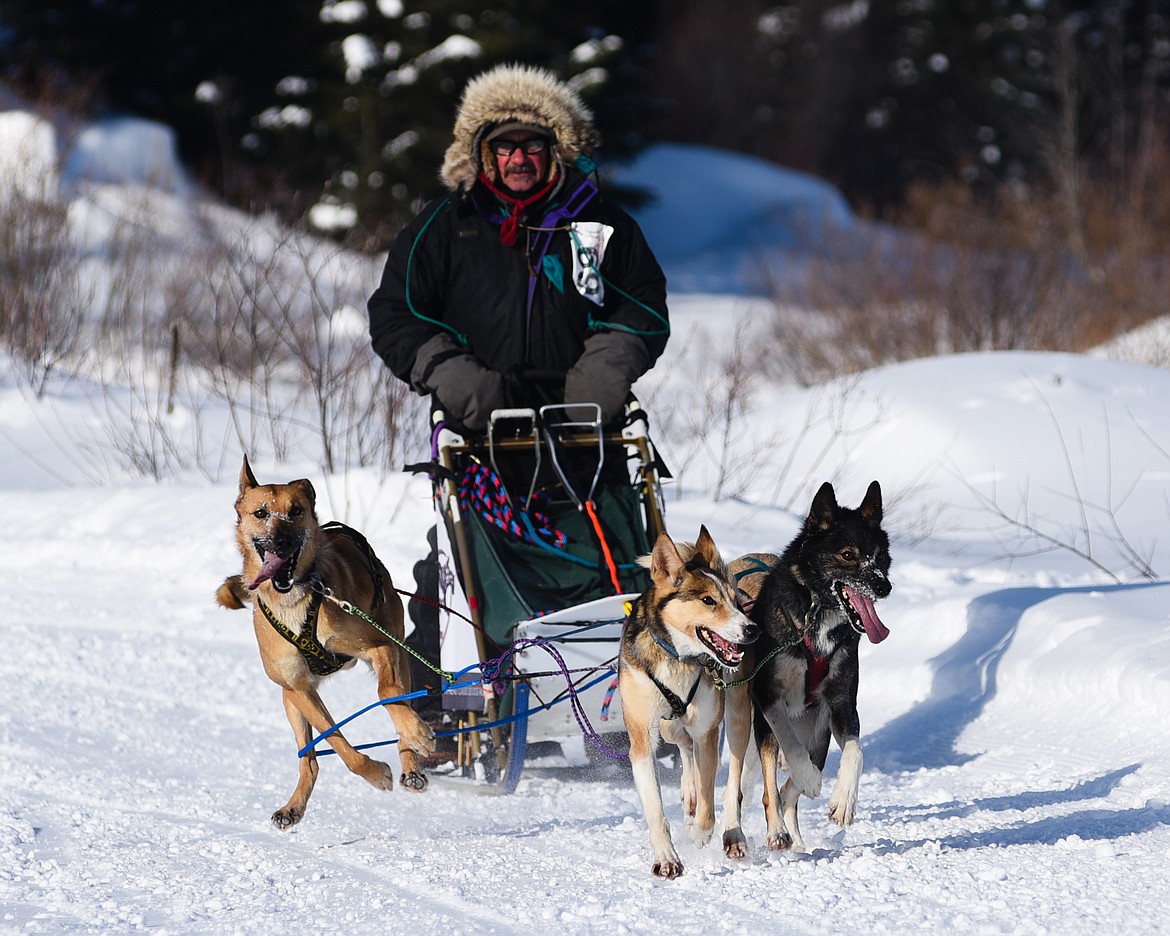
(510, 229)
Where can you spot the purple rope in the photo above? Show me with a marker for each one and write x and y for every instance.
(435, 440)
(491, 672)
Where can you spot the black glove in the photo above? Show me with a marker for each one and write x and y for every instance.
(466, 390)
(604, 372)
(528, 387)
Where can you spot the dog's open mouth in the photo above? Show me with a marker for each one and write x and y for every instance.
(861, 614)
(278, 568)
(725, 651)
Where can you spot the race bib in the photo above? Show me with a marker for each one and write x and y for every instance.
(589, 241)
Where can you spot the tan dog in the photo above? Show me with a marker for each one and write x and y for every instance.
(291, 568)
(680, 630)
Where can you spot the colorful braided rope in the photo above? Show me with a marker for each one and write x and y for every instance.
(482, 490)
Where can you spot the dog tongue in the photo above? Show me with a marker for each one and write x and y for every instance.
(875, 630)
(272, 562)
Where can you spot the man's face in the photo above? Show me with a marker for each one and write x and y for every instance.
(521, 159)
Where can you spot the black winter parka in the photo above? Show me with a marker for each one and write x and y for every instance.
(517, 309)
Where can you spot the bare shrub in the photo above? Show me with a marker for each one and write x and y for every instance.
(720, 433)
(709, 413)
(963, 274)
(42, 301)
(1088, 524)
(325, 336)
(218, 329)
(222, 310)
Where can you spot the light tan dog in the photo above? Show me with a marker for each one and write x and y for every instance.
(293, 567)
(681, 630)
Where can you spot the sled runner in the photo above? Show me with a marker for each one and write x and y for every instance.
(540, 524)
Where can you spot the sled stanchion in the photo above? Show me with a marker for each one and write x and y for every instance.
(459, 535)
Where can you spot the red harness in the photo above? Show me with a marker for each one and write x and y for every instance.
(818, 669)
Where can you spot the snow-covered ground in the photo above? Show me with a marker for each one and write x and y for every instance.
(1017, 768)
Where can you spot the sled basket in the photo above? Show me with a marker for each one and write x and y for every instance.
(540, 526)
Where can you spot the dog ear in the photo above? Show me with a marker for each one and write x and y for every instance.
(305, 486)
(666, 565)
(824, 507)
(871, 507)
(247, 479)
(706, 549)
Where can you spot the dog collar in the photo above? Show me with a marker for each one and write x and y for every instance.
(321, 662)
(668, 647)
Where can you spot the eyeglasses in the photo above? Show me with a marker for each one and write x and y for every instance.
(531, 146)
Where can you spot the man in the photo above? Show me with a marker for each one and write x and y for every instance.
(523, 285)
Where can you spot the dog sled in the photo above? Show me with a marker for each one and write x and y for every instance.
(540, 523)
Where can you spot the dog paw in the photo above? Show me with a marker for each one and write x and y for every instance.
(287, 817)
(734, 844)
(378, 775)
(415, 780)
(233, 594)
(779, 840)
(699, 835)
(422, 740)
(669, 869)
(807, 777)
(841, 809)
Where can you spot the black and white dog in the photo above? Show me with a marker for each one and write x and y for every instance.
(813, 607)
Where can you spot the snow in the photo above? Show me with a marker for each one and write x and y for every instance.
(360, 54)
(127, 150)
(28, 163)
(1017, 765)
(713, 214)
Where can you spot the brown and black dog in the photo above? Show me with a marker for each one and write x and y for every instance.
(293, 567)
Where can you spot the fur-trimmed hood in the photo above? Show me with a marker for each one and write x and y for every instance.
(516, 94)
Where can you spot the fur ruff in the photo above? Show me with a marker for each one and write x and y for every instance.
(516, 94)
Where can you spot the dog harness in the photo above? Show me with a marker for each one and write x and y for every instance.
(678, 707)
(363, 544)
(745, 601)
(818, 669)
(817, 666)
(321, 662)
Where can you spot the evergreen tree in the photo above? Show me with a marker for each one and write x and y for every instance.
(383, 102)
(160, 61)
(992, 91)
(280, 105)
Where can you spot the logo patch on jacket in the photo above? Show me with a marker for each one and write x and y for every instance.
(589, 241)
